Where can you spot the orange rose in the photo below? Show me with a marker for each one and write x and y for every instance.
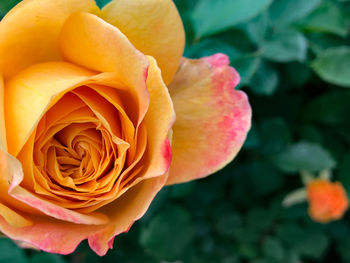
(327, 201)
(86, 117)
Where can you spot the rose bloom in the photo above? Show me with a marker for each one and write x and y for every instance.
(88, 100)
(327, 201)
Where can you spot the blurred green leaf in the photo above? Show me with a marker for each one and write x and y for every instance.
(284, 46)
(330, 108)
(168, 234)
(327, 18)
(290, 233)
(257, 28)
(246, 66)
(10, 253)
(253, 139)
(46, 258)
(301, 70)
(259, 219)
(213, 16)
(344, 172)
(102, 3)
(264, 178)
(333, 65)
(275, 136)
(227, 224)
(6, 6)
(304, 156)
(287, 11)
(265, 80)
(319, 42)
(313, 244)
(181, 190)
(272, 249)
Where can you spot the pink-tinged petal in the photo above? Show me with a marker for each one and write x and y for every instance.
(159, 119)
(56, 211)
(12, 175)
(8, 171)
(130, 207)
(50, 235)
(89, 41)
(29, 32)
(153, 26)
(213, 118)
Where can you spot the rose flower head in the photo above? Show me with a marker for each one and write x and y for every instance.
(328, 201)
(88, 101)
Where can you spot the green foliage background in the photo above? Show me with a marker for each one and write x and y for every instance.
(294, 59)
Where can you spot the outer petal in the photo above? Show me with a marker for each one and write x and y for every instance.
(8, 168)
(212, 118)
(134, 203)
(89, 41)
(153, 26)
(50, 235)
(23, 114)
(29, 32)
(2, 117)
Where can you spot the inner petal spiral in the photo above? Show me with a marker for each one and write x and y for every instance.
(83, 145)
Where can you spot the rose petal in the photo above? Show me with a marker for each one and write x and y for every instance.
(134, 202)
(8, 168)
(23, 114)
(89, 41)
(12, 171)
(130, 207)
(159, 120)
(50, 235)
(29, 32)
(3, 144)
(212, 118)
(154, 27)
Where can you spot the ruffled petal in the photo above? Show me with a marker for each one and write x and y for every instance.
(29, 32)
(89, 41)
(212, 119)
(132, 205)
(29, 95)
(154, 27)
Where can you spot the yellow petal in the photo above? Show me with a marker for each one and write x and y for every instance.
(29, 32)
(154, 27)
(13, 218)
(212, 119)
(89, 41)
(3, 144)
(158, 120)
(29, 94)
(9, 173)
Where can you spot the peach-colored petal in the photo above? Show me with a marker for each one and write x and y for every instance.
(29, 32)
(13, 175)
(23, 114)
(8, 171)
(50, 235)
(153, 26)
(89, 41)
(130, 207)
(3, 143)
(212, 119)
(159, 120)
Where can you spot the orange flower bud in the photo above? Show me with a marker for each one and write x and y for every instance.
(327, 201)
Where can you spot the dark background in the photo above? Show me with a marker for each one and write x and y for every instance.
(294, 59)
